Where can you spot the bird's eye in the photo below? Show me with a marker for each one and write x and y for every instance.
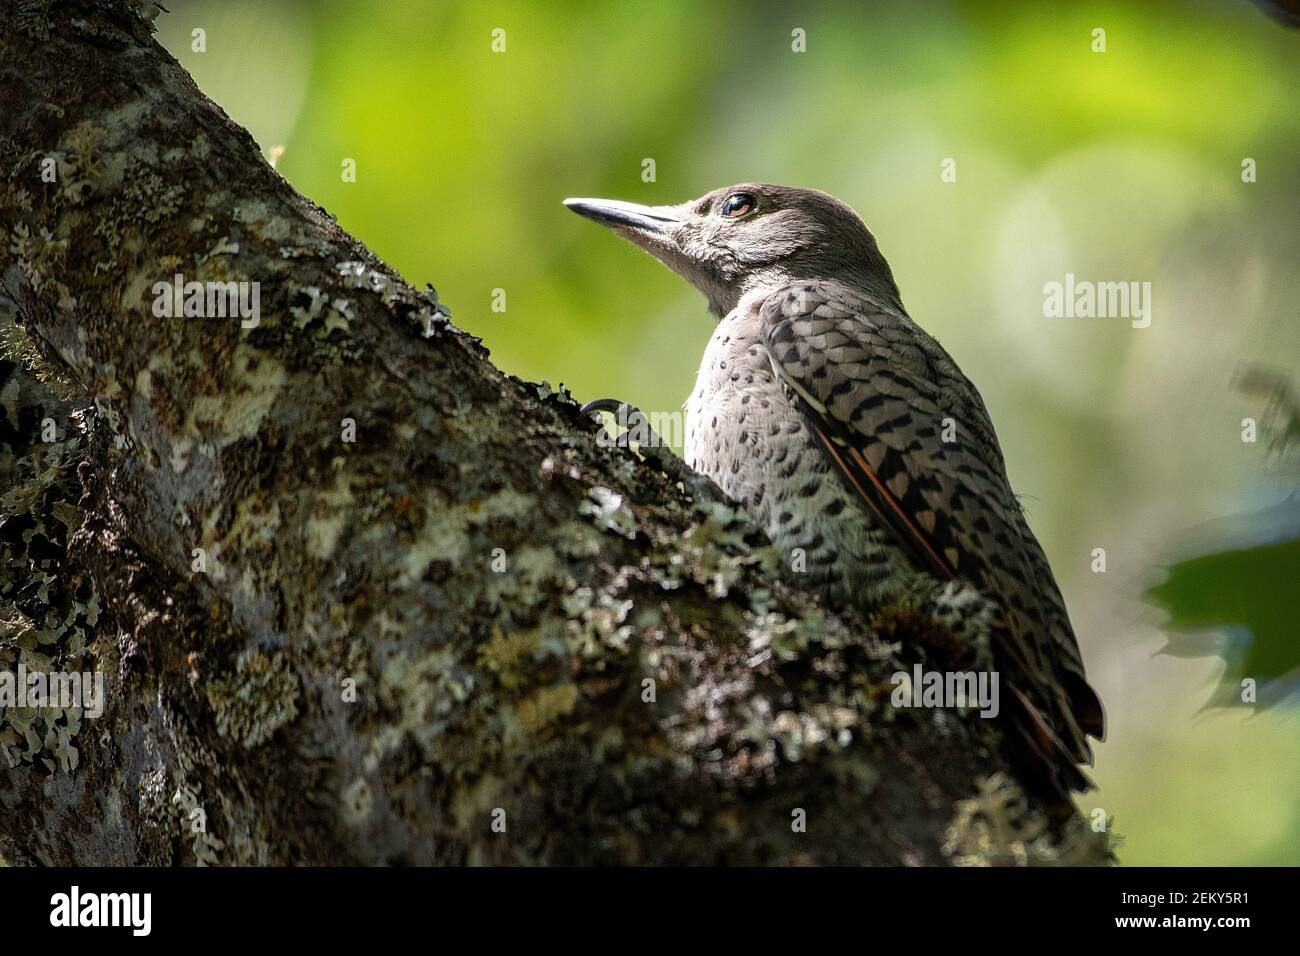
(737, 205)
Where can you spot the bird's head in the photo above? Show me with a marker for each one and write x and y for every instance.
(738, 239)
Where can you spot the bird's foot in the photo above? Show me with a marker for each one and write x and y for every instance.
(638, 432)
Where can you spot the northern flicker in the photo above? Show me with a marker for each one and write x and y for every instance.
(849, 433)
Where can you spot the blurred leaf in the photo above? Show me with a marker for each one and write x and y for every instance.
(1281, 419)
(1248, 591)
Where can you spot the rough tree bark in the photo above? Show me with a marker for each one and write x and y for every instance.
(635, 686)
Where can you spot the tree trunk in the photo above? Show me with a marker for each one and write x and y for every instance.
(357, 596)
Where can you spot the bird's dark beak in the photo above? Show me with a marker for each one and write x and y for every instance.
(626, 215)
(660, 231)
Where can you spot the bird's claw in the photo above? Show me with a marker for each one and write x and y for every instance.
(651, 446)
(636, 427)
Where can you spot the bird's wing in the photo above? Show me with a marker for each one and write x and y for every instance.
(912, 437)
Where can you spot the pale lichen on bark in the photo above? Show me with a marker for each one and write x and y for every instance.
(333, 565)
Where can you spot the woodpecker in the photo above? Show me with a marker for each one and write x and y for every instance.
(849, 433)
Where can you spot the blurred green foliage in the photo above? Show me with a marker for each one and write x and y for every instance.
(1250, 592)
(1117, 165)
(1236, 598)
